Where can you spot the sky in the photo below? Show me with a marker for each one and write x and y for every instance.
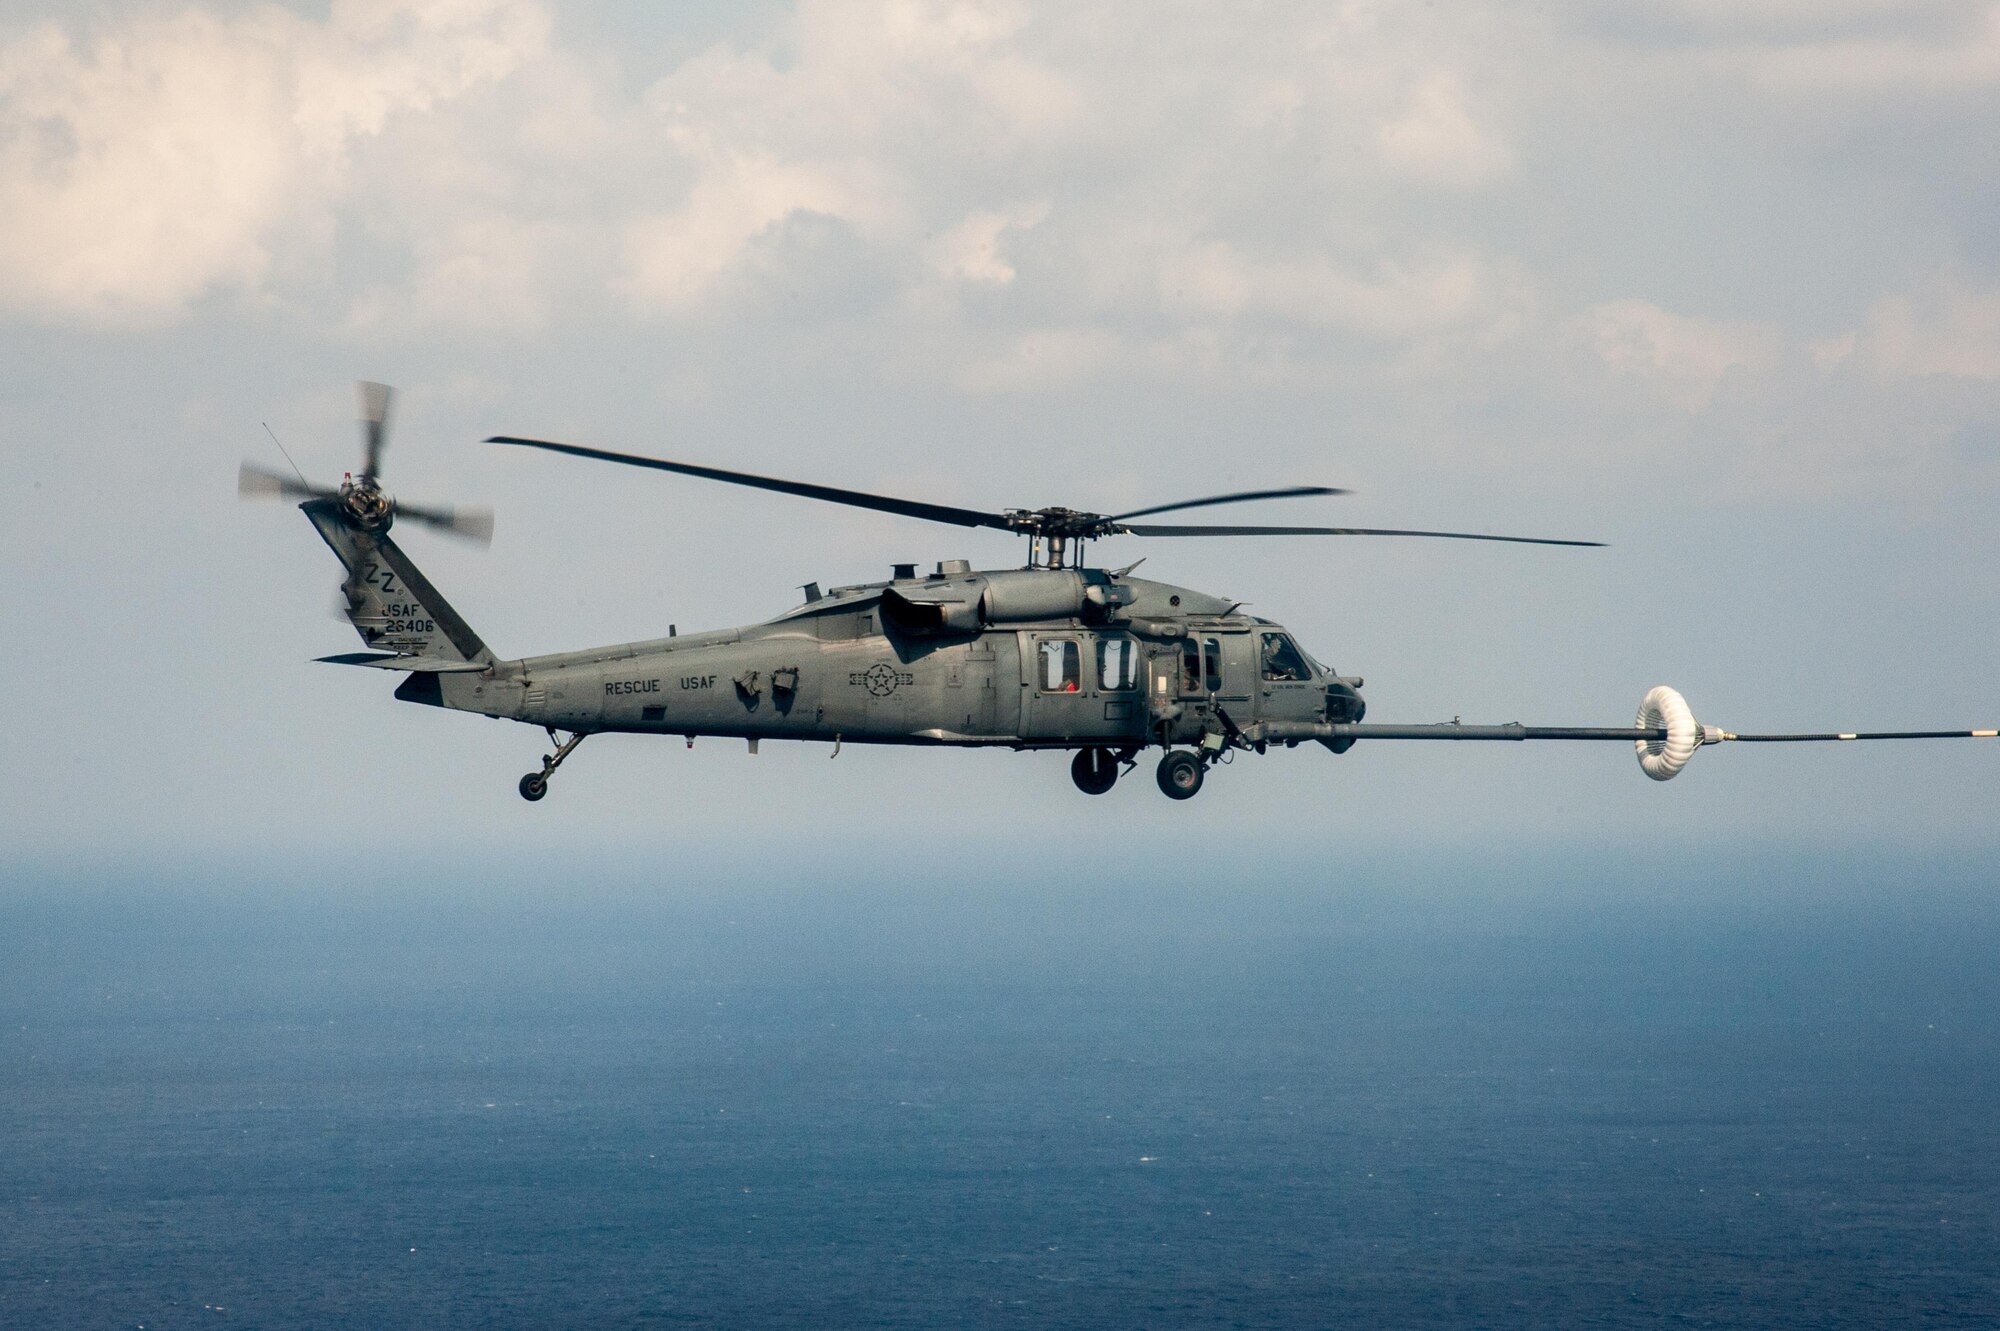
(1715, 283)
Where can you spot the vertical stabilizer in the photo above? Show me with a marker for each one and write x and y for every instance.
(390, 602)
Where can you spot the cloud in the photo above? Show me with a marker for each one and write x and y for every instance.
(1854, 48)
(1963, 58)
(1389, 299)
(162, 158)
(1436, 136)
(675, 260)
(1231, 170)
(1729, 18)
(845, 113)
(1951, 328)
(974, 134)
(1045, 358)
(975, 249)
(1685, 357)
(983, 196)
(483, 273)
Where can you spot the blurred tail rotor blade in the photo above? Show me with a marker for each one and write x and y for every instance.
(473, 524)
(253, 482)
(374, 425)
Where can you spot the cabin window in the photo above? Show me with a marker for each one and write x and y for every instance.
(1282, 659)
(1201, 665)
(1062, 665)
(1118, 663)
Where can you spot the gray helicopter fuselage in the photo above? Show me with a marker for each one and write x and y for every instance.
(1027, 658)
(1054, 655)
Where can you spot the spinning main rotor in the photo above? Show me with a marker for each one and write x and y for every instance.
(1056, 536)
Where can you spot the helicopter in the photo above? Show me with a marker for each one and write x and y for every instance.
(1056, 654)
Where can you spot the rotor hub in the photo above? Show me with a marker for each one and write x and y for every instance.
(360, 500)
(1056, 535)
(1066, 523)
(366, 504)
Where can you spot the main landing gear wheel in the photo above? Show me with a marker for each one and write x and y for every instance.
(1180, 774)
(1094, 770)
(536, 784)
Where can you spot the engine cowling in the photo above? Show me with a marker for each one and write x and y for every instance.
(953, 611)
(1019, 596)
(1025, 595)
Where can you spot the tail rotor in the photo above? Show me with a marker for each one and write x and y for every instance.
(361, 500)
(374, 426)
(255, 482)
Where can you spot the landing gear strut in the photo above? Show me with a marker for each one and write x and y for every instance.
(1097, 770)
(1180, 773)
(536, 784)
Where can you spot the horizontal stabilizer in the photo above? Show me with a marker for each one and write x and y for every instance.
(422, 665)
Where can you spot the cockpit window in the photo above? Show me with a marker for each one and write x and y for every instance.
(1282, 660)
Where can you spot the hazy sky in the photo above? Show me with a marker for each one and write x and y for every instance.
(1715, 282)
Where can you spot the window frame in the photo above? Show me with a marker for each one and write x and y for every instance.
(1205, 652)
(1285, 640)
(1126, 651)
(1072, 677)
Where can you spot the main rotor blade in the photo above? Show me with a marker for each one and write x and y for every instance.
(253, 482)
(1244, 497)
(1150, 530)
(474, 524)
(909, 508)
(374, 425)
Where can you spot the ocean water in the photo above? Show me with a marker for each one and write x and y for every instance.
(1494, 1095)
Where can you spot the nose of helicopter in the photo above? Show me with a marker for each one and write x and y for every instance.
(1344, 703)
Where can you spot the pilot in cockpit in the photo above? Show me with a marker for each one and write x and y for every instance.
(1282, 660)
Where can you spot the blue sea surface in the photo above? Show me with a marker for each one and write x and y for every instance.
(1440, 1095)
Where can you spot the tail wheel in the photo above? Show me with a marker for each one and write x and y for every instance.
(1094, 770)
(1180, 774)
(533, 786)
